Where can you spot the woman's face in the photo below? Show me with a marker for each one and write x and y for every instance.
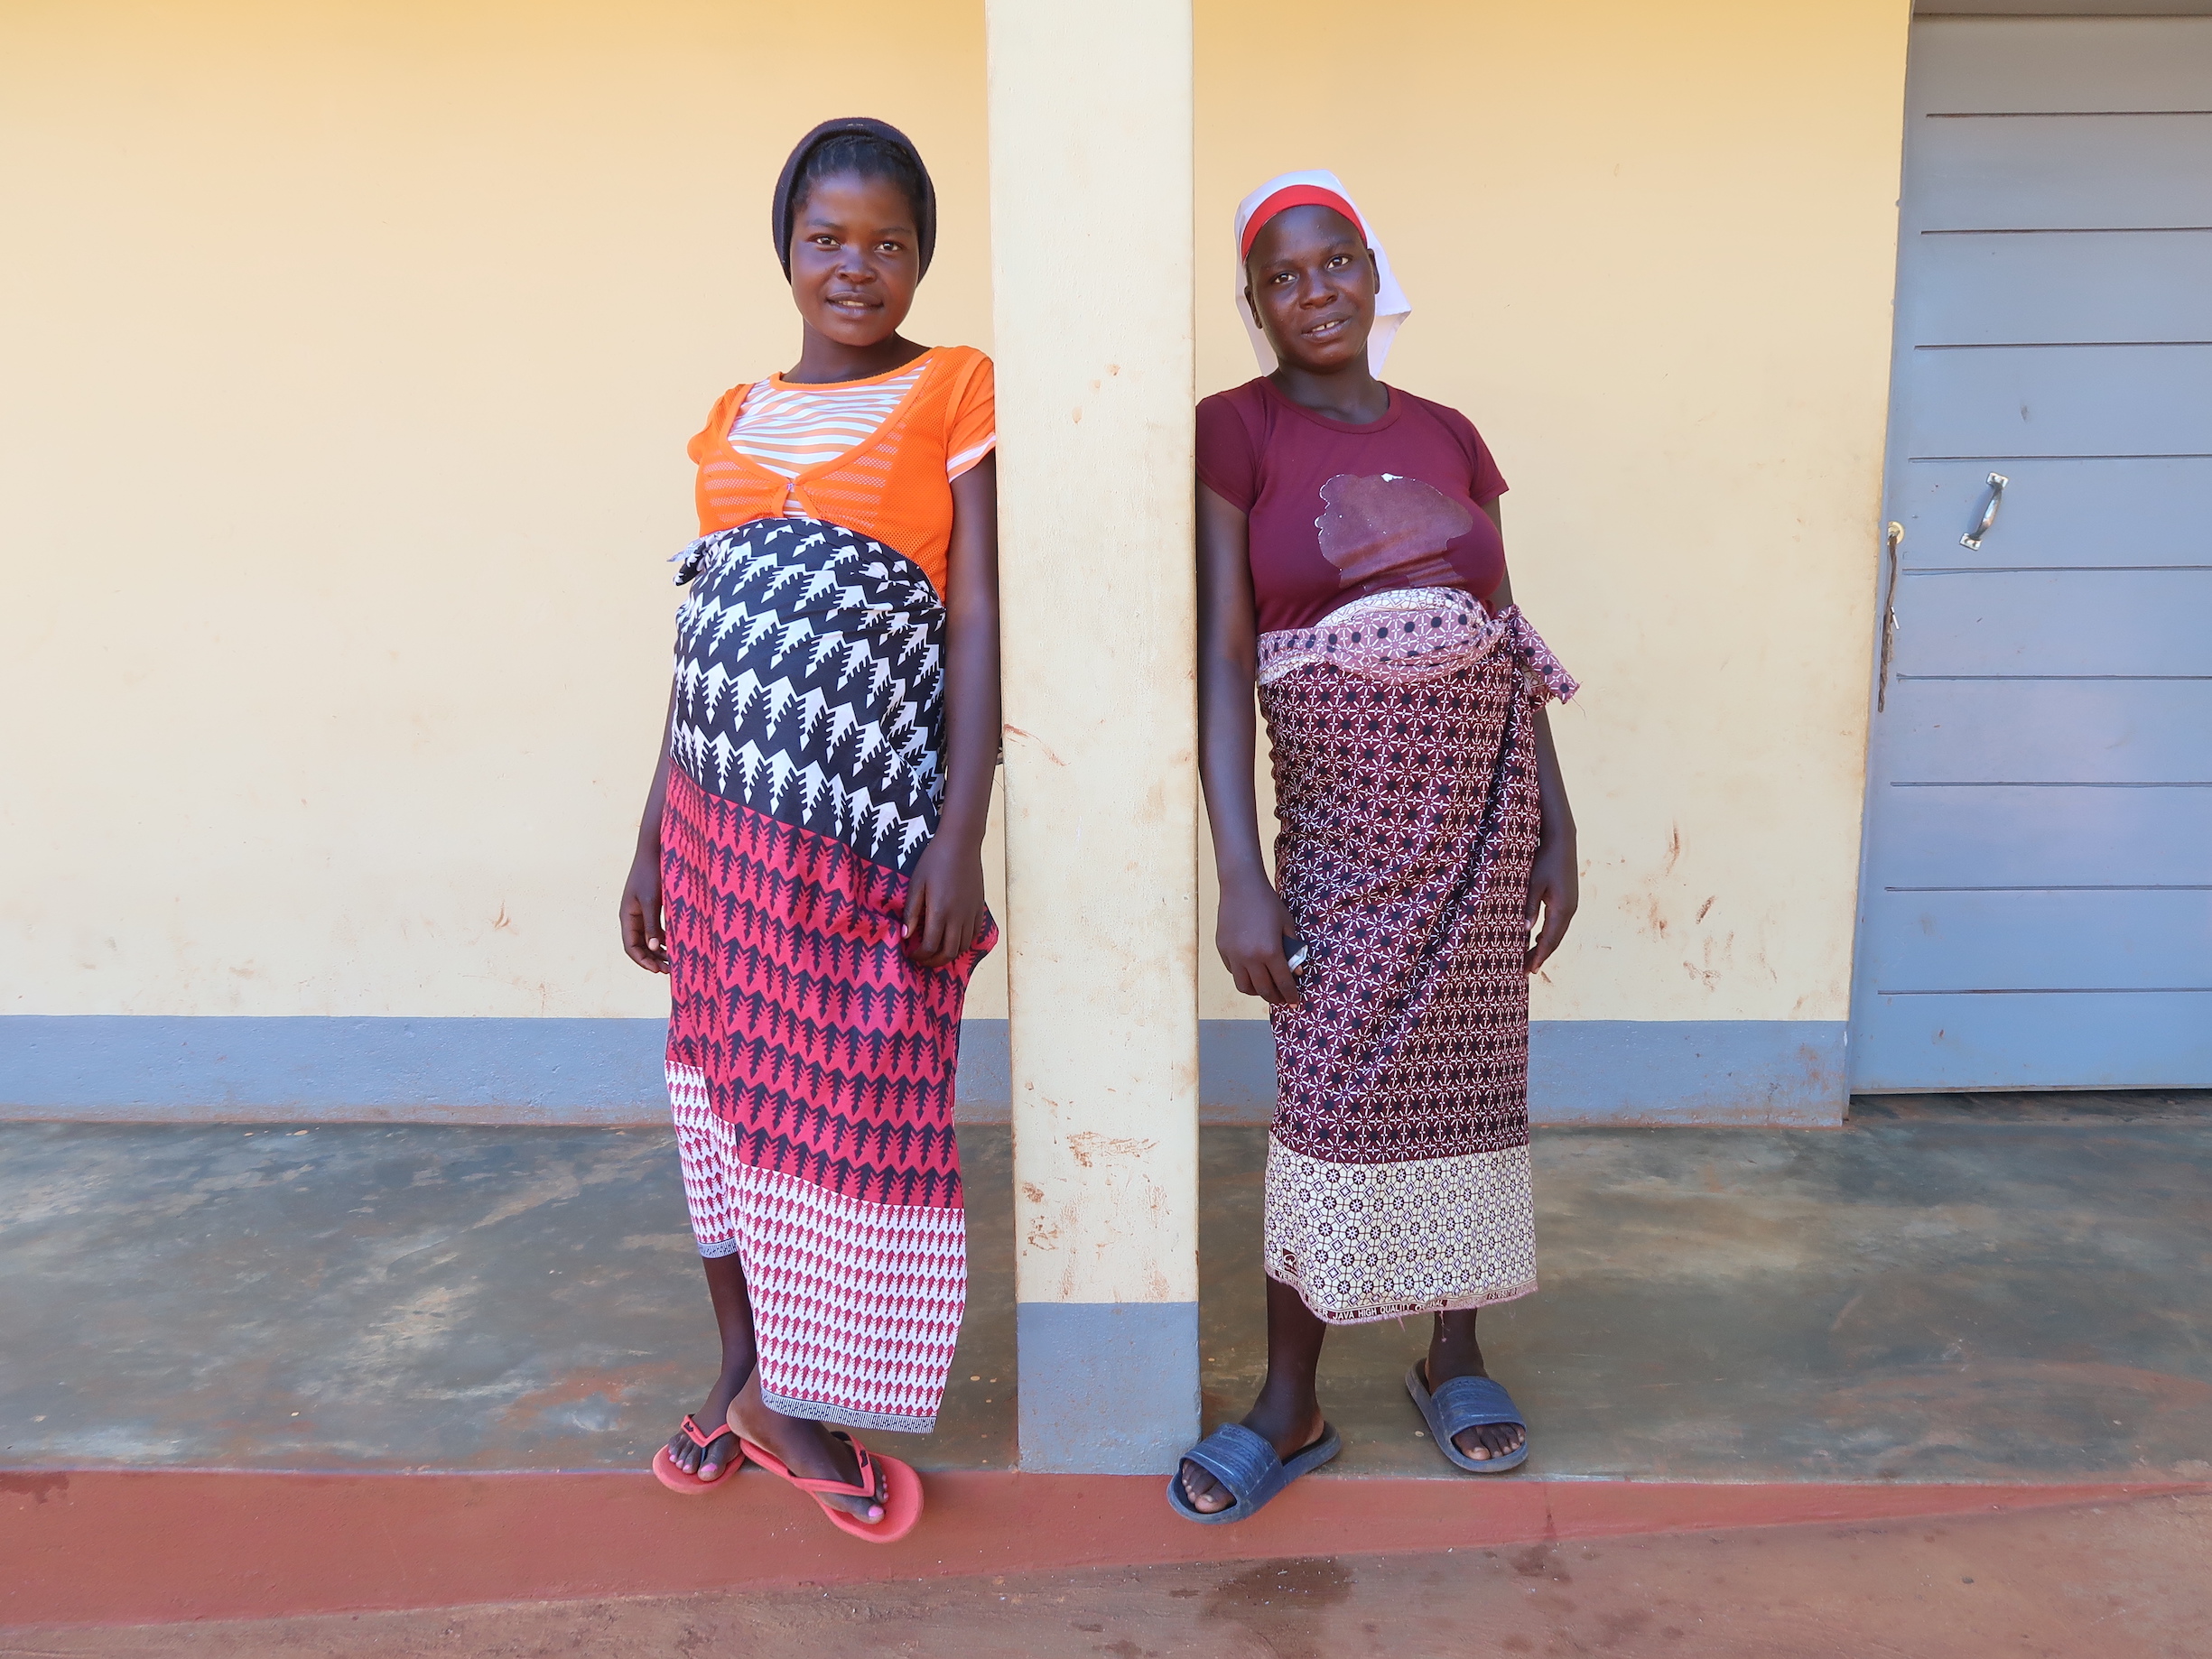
(855, 258)
(1312, 284)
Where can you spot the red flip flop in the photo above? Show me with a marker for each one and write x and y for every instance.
(671, 1474)
(902, 1490)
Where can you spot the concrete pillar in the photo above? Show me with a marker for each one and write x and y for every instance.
(1091, 274)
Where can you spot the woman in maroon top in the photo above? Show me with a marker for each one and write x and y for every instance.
(1351, 565)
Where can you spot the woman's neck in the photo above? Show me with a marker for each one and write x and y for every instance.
(823, 361)
(1351, 394)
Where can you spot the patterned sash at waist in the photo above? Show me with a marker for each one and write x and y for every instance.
(1412, 633)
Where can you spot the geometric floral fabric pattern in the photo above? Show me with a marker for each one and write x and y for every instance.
(1409, 629)
(1406, 794)
(811, 1064)
(1371, 1241)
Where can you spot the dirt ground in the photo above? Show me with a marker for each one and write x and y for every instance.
(2129, 1581)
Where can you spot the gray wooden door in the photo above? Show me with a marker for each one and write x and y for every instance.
(2036, 901)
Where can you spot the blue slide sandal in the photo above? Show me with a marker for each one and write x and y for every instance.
(1467, 1403)
(1245, 1463)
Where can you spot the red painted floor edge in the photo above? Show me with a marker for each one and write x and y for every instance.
(108, 1547)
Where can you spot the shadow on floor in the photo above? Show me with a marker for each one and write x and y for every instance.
(2053, 1106)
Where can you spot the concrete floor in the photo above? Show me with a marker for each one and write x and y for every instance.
(388, 1296)
(2113, 1581)
(1948, 1290)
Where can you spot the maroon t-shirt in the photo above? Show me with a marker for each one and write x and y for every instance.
(1337, 511)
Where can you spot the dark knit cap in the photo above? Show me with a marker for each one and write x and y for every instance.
(787, 185)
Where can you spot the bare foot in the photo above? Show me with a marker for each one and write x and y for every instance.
(1484, 1440)
(806, 1448)
(721, 1449)
(1288, 1431)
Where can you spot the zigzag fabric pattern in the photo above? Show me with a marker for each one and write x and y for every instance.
(705, 1151)
(810, 1063)
(829, 1054)
(856, 1306)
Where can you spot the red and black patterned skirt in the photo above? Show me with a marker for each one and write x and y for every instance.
(810, 1063)
(1403, 726)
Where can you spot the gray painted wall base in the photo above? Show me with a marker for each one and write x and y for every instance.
(1782, 1073)
(1107, 1387)
(131, 1068)
(134, 1067)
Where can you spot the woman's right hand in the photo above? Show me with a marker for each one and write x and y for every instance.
(643, 937)
(1250, 936)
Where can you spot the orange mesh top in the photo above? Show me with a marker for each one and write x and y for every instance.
(892, 488)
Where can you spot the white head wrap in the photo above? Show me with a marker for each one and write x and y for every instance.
(1391, 306)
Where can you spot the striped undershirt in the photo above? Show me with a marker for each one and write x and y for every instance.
(788, 429)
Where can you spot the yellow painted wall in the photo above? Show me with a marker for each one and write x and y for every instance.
(1651, 252)
(347, 353)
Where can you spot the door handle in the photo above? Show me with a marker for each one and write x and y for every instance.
(1973, 538)
(1889, 619)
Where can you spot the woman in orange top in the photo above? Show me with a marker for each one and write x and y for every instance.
(809, 869)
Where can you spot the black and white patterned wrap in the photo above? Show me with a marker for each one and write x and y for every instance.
(810, 682)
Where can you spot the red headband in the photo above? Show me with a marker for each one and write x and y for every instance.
(1295, 196)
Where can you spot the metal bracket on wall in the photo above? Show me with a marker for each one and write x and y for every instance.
(1889, 619)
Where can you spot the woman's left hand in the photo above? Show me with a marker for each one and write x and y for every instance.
(944, 902)
(1554, 889)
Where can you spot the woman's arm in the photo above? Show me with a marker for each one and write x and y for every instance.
(945, 901)
(1253, 922)
(643, 936)
(1554, 884)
